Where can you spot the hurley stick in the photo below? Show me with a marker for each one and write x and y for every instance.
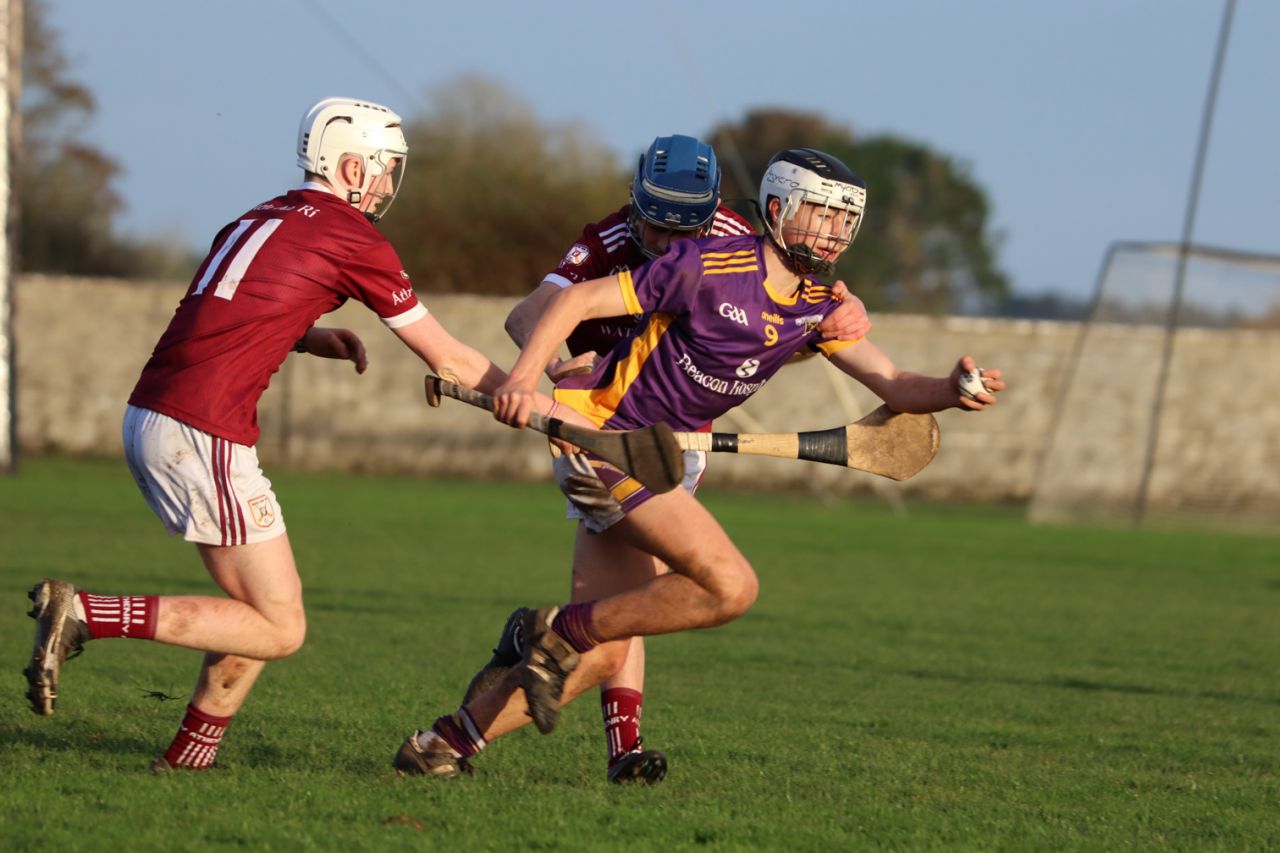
(891, 444)
(651, 455)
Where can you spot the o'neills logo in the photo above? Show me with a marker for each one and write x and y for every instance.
(732, 388)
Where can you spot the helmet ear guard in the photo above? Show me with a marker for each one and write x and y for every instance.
(676, 187)
(799, 176)
(334, 127)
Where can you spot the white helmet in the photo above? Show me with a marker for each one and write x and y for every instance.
(337, 126)
(797, 176)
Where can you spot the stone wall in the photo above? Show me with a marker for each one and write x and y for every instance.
(81, 344)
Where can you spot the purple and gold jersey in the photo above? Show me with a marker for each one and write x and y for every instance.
(713, 335)
(604, 248)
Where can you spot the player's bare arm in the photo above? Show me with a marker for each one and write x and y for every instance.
(905, 391)
(601, 297)
(449, 357)
(524, 317)
(336, 343)
(457, 362)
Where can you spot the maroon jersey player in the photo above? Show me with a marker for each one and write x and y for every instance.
(191, 423)
(721, 316)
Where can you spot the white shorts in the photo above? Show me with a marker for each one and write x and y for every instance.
(208, 489)
(593, 504)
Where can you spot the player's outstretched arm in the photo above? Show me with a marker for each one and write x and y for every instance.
(601, 297)
(524, 317)
(451, 359)
(904, 391)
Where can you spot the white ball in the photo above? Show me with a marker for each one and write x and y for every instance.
(970, 384)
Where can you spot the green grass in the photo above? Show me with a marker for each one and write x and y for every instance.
(949, 680)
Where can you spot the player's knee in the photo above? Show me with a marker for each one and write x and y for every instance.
(605, 661)
(616, 657)
(287, 638)
(735, 592)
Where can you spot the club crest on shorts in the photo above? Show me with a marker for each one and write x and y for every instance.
(577, 255)
(262, 511)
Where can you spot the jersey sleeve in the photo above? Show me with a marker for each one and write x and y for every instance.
(586, 259)
(667, 284)
(821, 296)
(375, 277)
(729, 223)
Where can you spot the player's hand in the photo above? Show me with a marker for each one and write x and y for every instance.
(337, 343)
(512, 403)
(559, 368)
(849, 322)
(965, 374)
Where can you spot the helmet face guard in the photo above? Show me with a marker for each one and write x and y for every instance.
(827, 193)
(383, 175)
(335, 127)
(676, 188)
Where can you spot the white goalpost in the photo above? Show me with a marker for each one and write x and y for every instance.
(10, 85)
(1207, 446)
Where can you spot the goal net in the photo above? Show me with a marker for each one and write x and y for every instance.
(1167, 408)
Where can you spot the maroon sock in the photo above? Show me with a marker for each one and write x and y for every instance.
(131, 616)
(573, 622)
(197, 741)
(621, 707)
(460, 732)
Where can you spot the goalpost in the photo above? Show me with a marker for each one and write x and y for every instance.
(1169, 403)
(10, 85)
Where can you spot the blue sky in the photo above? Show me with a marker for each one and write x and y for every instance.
(1079, 118)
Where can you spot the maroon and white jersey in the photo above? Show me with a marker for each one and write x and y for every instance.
(605, 248)
(268, 277)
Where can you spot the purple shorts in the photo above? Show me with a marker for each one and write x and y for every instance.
(600, 494)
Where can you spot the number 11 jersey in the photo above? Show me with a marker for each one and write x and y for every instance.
(268, 277)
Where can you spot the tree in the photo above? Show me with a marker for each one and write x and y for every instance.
(492, 197)
(924, 244)
(67, 206)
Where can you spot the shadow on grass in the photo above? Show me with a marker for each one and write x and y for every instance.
(1086, 685)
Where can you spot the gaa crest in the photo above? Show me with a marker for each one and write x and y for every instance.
(577, 255)
(262, 511)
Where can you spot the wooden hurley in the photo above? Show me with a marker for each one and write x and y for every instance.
(890, 444)
(651, 455)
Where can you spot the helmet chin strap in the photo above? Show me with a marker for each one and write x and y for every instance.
(806, 259)
(801, 258)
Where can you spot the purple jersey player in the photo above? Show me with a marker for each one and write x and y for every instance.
(675, 196)
(724, 315)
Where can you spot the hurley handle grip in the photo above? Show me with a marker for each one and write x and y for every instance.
(438, 388)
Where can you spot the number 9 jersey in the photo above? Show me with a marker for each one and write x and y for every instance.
(268, 277)
(713, 334)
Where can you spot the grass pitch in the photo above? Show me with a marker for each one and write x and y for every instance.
(949, 680)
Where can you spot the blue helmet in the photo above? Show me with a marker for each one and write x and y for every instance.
(677, 185)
